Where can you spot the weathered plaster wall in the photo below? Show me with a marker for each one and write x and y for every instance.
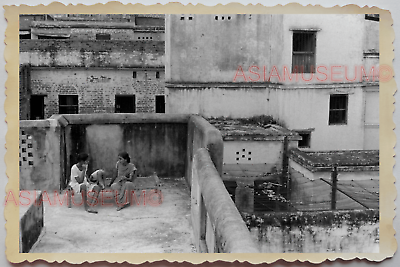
(40, 155)
(329, 38)
(296, 109)
(254, 152)
(371, 128)
(216, 101)
(318, 232)
(198, 54)
(87, 54)
(96, 88)
(154, 147)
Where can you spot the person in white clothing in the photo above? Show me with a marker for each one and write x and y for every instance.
(79, 183)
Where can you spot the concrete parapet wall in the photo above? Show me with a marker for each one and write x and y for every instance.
(352, 231)
(201, 134)
(217, 224)
(40, 154)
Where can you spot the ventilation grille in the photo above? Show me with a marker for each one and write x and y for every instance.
(25, 149)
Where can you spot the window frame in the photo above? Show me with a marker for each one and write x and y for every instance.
(76, 106)
(101, 37)
(307, 69)
(332, 119)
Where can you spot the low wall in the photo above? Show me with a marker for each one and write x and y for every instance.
(40, 152)
(31, 223)
(317, 232)
(217, 224)
(155, 142)
(201, 134)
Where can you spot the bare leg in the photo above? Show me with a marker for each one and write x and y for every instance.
(84, 196)
(96, 191)
(125, 193)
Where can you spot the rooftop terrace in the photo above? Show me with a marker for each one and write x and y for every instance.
(345, 159)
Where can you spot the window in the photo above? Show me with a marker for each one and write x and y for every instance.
(134, 75)
(68, 104)
(125, 104)
(37, 107)
(103, 36)
(157, 74)
(374, 17)
(53, 37)
(160, 104)
(338, 109)
(305, 139)
(303, 60)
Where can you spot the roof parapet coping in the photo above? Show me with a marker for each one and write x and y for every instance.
(120, 118)
(39, 123)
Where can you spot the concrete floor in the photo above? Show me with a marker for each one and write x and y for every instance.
(165, 228)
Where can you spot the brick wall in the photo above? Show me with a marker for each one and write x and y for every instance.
(96, 88)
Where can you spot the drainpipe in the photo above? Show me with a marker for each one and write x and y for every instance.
(285, 168)
(334, 175)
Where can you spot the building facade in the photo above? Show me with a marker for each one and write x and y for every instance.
(305, 71)
(91, 64)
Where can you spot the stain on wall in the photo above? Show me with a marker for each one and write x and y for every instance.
(318, 232)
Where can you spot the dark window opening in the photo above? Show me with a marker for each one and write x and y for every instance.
(229, 17)
(25, 36)
(374, 17)
(138, 38)
(134, 75)
(160, 104)
(305, 140)
(52, 37)
(303, 60)
(338, 109)
(37, 107)
(216, 17)
(68, 104)
(157, 74)
(125, 104)
(182, 18)
(190, 18)
(222, 17)
(103, 36)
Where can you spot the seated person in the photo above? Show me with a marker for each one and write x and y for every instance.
(79, 184)
(98, 177)
(123, 182)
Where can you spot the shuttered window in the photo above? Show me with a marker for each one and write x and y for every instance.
(303, 58)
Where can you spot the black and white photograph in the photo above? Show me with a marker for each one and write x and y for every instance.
(199, 133)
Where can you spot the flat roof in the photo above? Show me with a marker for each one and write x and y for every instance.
(244, 130)
(345, 160)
